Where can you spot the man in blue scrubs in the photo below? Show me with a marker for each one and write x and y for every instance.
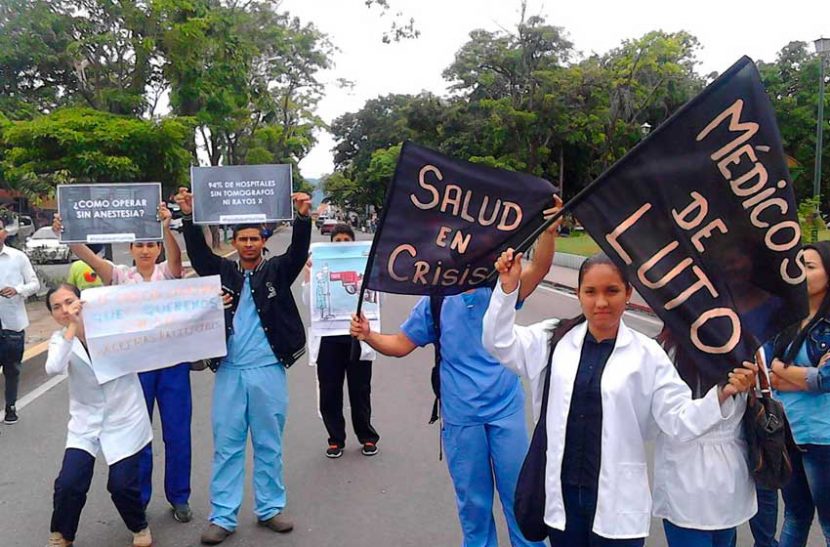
(265, 336)
(482, 403)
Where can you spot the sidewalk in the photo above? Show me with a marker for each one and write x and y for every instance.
(566, 278)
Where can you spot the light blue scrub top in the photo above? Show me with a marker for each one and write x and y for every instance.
(248, 346)
(475, 387)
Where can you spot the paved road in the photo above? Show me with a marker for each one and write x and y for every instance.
(401, 497)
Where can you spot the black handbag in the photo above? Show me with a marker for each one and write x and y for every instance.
(529, 500)
(768, 437)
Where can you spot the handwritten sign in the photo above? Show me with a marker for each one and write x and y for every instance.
(241, 194)
(109, 213)
(336, 276)
(148, 326)
(446, 221)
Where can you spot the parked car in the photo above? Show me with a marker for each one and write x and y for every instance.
(328, 225)
(320, 220)
(44, 246)
(18, 227)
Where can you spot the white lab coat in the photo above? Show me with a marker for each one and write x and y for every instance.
(111, 417)
(640, 390)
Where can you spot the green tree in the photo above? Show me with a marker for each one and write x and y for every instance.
(85, 145)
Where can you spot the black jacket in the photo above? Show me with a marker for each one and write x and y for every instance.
(270, 286)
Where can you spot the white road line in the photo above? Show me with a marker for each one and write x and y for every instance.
(637, 316)
(56, 380)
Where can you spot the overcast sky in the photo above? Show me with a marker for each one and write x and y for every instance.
(726, 29)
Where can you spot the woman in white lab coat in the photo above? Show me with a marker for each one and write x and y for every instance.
(111, 418)
(609, 386)
(702, 488)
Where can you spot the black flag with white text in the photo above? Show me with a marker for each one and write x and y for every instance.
(703, 217)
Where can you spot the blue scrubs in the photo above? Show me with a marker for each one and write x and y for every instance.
(250, 393)
(170, 387)
(482, 406)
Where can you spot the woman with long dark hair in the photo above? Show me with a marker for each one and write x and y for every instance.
(802, 382)
(609, 388)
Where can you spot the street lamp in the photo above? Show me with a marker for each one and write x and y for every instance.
(645, 129)
(822, 49)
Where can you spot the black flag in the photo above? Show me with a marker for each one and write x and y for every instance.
(702, 216)
(446, 221)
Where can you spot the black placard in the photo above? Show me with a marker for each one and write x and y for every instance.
(241, 194)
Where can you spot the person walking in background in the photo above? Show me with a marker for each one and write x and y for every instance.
(169, 387)
(801, 379)
(265, 336)
(607, 386)
(483, 427)
(691, 476)
(18, 281)
(332, 357)
(110, 418)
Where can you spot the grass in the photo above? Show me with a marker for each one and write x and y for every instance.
(581, 243)
(578, 244)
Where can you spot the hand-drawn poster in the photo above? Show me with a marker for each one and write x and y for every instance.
(148, 326)
(336, 276)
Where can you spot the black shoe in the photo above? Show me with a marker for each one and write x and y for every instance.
(334, 451)
(369, 449)
(11, 415)
(182, 512)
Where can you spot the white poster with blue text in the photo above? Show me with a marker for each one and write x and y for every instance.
(149, 326)
(336, 276)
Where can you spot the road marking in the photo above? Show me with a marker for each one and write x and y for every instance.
(633, 315)
(52, 382)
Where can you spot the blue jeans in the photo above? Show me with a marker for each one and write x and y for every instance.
(580, 508)
(807, 492)
(479, 456)
(170, 387)
(690, 537)
(765, 521)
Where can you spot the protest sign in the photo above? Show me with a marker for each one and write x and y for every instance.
(446, 221)
(703, 217)
(109, 213)
(239, 194)
(336, 278)
(148, 326)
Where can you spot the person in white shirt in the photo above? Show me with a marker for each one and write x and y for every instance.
(609, 388)
(110, 417)
(18, 281)
(691, 477)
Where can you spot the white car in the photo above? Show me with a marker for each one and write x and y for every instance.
(44, 246)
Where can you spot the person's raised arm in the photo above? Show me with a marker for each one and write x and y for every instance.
(521, 349)
(539, 267)
(202, 258)
(394, 345)
(171, 246)
(297, 253)
(101, 266)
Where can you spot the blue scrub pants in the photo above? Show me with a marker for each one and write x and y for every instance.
(170, 387)
(478, 455)
(254, 399)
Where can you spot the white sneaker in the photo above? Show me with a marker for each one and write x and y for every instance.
(143, 538)
(56, 540)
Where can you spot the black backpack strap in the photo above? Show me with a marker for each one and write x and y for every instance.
(435, 304)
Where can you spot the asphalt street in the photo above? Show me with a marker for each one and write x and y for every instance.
(400, 497)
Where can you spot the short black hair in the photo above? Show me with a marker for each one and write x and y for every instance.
(60, 286)
(342, 229)
(239, 227)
